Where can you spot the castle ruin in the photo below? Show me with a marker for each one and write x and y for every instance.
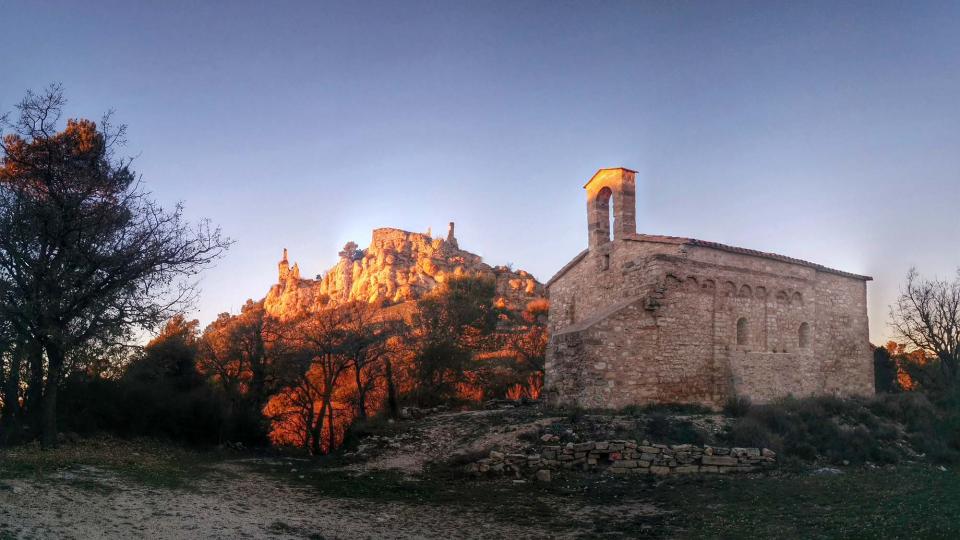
(638, 318)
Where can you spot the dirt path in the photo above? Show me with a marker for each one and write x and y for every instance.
(232, 502)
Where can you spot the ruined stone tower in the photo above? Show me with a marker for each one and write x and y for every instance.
(284, 266)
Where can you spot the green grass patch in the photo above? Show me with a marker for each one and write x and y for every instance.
(916, 501)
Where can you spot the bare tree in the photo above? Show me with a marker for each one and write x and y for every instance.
(85, 254)
(316, 356)
(238, 353)
(366, 338)
(927, 315)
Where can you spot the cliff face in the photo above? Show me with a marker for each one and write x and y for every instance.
(397, 267)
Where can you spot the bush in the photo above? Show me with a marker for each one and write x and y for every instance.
(737, 406)
(661, 428)
(658, 426)
(666, 408)
(195, 414)
(801, 450)
(854, 430)
(380, 425)
(753, 433)
(884, 371)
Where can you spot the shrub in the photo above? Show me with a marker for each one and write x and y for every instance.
(855, 430)
(751, 432)
(132, 406)
(737, 406)
(669, 408)
(684, 432)
(658, 426)
(884, 371)
(884, 455)
(662, 428)
(801, 450)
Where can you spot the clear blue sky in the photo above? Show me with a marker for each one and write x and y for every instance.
(826, 131)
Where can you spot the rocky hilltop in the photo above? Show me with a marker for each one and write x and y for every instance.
(397, 267)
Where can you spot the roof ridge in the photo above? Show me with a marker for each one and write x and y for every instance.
(742, 251)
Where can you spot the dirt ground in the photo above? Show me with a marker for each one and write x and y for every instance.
(244, 497)
(231, 502)
(401, 480)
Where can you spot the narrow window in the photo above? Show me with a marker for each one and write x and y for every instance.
(612, 212)
(605, 262)
(603, 216)
(804, 337)
(743, 337)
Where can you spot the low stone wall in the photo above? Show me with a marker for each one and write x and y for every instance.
(626, 457)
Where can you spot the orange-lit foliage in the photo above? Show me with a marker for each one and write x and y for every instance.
(352, 361)
(904, 361)
(514, 369)
(530, 390)
(537, 310)
(294, 413)
(467, 391)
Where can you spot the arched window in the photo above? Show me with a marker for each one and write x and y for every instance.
(804, 336)
(743, 332)
(604, 202)
(729, 288)
(612, 220)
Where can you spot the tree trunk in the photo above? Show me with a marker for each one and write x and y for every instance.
(317, 442)
(9, 422)
(392, 402)
(48, 432)
(34, 403)
(361, 393)
(948, 366)
(308, 424)
(331, 433)
(258, 368)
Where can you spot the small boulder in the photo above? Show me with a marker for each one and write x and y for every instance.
(543, 475)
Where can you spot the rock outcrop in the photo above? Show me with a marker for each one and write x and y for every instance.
(398, 266)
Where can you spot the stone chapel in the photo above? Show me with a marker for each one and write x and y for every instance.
(638, 318)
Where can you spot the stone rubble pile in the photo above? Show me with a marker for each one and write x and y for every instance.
(627, 457)
(416, 413)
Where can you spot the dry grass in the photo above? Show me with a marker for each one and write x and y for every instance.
(150, 462)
